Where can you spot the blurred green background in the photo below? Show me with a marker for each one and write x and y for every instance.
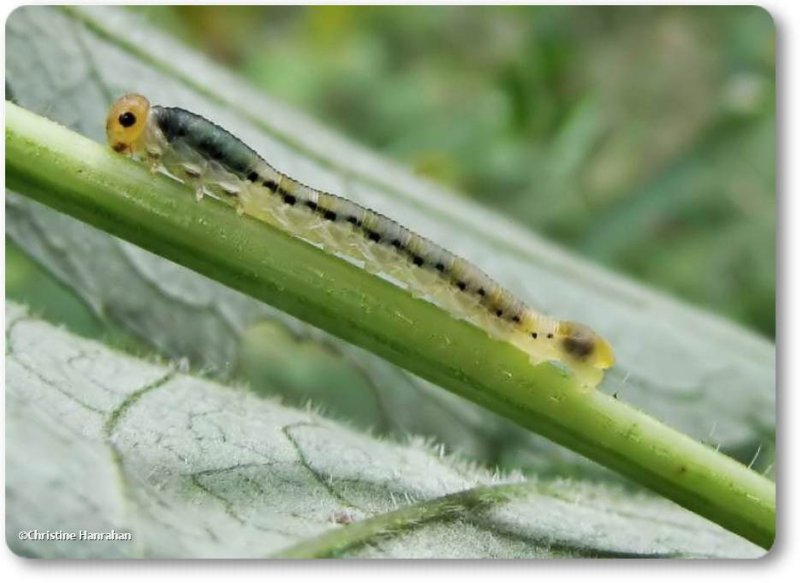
(642, 138)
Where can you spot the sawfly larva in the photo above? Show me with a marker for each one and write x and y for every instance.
(212, 161)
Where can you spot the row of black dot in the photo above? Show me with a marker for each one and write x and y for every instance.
(372, 235)
(209, 147)
(211, 150)
(330, 215)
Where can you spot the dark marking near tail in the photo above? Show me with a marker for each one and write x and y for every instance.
(311, 204)
(417, 260)
(253, 177)
(289, 199)
(578, 347)
(330, 215)
(270, 185)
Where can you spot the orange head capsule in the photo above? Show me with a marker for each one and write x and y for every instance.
(126, 122)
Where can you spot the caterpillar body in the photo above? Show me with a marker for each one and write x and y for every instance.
(212, 161)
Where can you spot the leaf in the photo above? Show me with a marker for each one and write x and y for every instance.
(192, 468)
(699, 373)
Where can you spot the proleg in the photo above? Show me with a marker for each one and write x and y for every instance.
(214, 162)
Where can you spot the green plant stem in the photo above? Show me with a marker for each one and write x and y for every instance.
(87, 180)
(467, 505)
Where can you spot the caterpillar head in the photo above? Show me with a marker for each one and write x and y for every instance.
(126, 122)
(581, 344)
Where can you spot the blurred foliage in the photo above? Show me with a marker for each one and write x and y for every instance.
(45, 297)
(643, 138)
(26, 281)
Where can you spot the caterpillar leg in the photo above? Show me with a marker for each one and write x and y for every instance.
(153, 163)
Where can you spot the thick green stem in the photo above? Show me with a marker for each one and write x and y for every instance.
(85, 179)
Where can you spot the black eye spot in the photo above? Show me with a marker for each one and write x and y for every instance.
(461, 285)
(534, 335)
(417, 260)
(126, 119)
(515, 319)
(499, 313)
(550, 335)
(481, 292)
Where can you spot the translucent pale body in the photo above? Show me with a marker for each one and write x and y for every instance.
(356, 234)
